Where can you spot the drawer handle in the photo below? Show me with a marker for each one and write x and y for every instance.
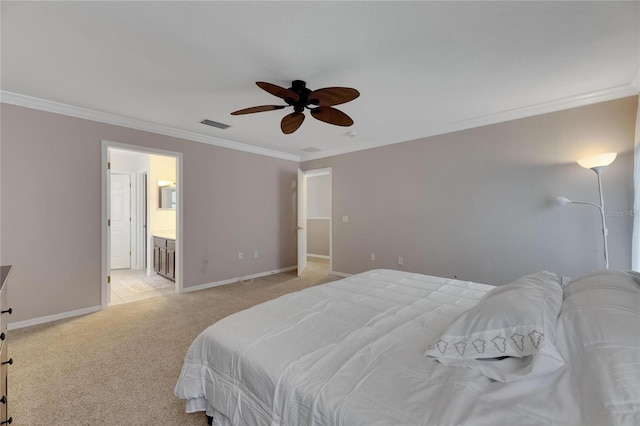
(3, 399)
(7, 422)
(7, 311)
(2, 337)
(10, 362)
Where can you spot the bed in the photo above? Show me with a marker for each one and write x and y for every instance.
(394, 348)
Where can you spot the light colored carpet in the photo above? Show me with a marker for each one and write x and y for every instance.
(119, 366)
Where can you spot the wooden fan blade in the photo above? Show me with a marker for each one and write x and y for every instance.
(260, 108)
(288, 95)
(332, 116)
(330, 96)
(290, 123)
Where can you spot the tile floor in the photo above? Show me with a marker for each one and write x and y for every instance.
(129, 285)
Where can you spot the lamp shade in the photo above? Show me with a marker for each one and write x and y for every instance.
(600, 160)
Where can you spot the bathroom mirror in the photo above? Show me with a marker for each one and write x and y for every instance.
(166, 195)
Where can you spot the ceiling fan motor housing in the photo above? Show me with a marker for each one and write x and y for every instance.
(299, 87)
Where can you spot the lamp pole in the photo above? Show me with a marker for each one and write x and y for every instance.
(600, 207)
(605, 232)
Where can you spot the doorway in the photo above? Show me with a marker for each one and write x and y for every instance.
(132, 215)
(315, 248)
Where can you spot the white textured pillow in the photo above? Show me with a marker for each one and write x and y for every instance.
(516, 321)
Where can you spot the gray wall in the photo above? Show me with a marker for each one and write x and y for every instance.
(477, 204)
(318, 237)
(51, 205)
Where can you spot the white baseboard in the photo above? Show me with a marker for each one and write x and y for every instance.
(319, 256)
(234, 280)
(340, 274)
(50, 318)
(85, 311)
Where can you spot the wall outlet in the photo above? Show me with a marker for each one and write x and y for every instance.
(400, 260)
(240, 255)
(372, 257)
(345, 219)
(256, 254)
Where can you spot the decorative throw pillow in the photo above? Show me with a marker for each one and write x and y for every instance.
(509, 335)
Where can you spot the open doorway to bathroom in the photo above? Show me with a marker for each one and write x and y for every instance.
(141, 203)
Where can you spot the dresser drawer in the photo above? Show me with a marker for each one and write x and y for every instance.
(5, 361)
(3, 382)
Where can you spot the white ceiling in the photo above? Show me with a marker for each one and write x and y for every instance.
(422, 68)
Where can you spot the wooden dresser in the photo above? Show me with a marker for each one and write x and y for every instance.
(4, 350)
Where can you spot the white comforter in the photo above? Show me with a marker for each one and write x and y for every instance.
(351, 352)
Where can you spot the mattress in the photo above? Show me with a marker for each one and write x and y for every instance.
(351, 352)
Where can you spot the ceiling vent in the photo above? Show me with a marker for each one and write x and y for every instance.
(215, 124)
(311, 149)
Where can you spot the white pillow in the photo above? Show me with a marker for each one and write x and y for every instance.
(509, 335)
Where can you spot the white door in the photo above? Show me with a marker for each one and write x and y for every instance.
(120, 221)
(302, 222)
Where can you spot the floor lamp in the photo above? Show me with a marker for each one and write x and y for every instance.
(596, 163)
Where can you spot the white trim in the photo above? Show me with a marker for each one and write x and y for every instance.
(104, 229)
(604, 95)
(318, 172)
(340, 274)
(50, 318)
(234, 280)
(132, 123)
(318, 218)
(325, 171)
(319, 256)
(617, 92)
(141, 235)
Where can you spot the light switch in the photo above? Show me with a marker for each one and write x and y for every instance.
(345, 219)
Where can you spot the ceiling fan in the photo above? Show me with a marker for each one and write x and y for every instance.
(320, 102)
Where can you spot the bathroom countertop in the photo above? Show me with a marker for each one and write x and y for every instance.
(165, 233)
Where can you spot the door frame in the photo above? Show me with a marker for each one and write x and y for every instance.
(142, 231)
(320, 172)
(302, 222)
(104, 214)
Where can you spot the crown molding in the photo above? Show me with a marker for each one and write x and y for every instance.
(617, 92)
(132, 123)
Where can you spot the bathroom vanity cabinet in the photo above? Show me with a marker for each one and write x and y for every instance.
(164, 257)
